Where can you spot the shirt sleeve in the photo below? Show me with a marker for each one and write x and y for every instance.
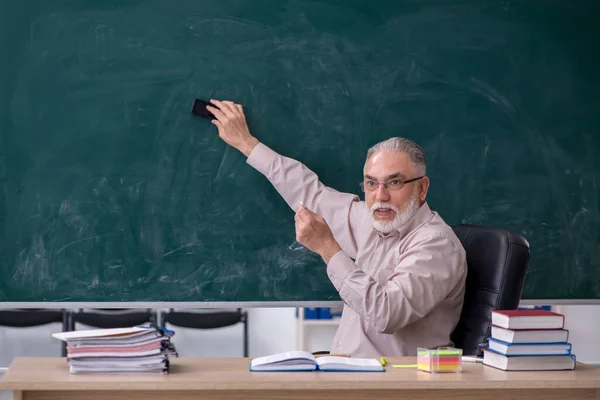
(296, 183)
(424, 277)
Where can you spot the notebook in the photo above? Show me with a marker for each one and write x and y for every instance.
(305, 361)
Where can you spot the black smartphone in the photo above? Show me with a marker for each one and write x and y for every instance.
(199, 109)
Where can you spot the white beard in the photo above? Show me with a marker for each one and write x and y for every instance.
(401, 217)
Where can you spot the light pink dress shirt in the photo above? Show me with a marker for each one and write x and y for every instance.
(400, 291)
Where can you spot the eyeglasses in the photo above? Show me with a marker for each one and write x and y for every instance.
(393, 185)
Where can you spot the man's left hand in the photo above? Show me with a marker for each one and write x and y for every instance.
(313, 233)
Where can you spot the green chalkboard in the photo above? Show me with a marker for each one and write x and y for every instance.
(112, 191)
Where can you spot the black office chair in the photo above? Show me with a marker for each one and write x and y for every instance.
(207, 320)
(497, 261)
(112, 318)
(26, 318)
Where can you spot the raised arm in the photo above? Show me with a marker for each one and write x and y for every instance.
(296, 183)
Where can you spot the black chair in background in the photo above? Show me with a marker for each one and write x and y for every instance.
(25, 318)
(104, 318)
(207, 320)
(497, 261)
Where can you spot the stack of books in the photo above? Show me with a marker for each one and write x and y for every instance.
(142, 349)
(528, 340)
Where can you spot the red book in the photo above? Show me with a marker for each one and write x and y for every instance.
(527, 319)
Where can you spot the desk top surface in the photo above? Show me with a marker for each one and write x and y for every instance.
(52, 373)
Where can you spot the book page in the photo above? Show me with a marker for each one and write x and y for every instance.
(289, 358)
(346, 363)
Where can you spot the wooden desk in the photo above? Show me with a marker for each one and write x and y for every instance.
(229, 378)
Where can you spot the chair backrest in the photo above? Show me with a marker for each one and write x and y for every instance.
(203, 320)
(208, 319)
(112, 318)
(24, 318)
(497, 261)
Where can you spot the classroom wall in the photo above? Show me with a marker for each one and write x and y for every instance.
(583, 323)
(5, 394)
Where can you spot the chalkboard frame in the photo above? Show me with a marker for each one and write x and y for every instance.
(513, 110)
(245, 304)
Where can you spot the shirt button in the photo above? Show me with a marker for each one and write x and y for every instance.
(339, 343)
(331, 277)
(351, 317)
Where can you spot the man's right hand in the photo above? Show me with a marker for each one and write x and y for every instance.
(233, 129)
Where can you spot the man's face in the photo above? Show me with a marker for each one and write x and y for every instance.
(391, 209)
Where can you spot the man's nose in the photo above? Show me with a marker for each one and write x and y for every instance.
(382, 194)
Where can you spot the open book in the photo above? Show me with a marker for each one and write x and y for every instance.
(305, 361)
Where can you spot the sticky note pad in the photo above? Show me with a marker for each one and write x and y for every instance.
(443, 359)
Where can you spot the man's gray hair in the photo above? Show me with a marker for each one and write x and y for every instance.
(402, 145)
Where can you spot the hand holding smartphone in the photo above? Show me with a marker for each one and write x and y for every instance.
(232, 125)
(199, 108)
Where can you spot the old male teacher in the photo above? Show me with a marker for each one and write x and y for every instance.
(399, 268)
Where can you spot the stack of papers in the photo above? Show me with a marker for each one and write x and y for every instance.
(141, 349)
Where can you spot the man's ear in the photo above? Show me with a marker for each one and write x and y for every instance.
(424, 188)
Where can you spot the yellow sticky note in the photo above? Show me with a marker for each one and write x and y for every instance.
(404, 366)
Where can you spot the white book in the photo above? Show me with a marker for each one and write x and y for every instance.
(115, 362)
(107, 370)
(100, 333)
(96, 345)
(527, 363)
(530, 336)
(116, 354)
(134, 338)
(141, 359)
(305, 361)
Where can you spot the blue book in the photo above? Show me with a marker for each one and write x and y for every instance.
(529, 349)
